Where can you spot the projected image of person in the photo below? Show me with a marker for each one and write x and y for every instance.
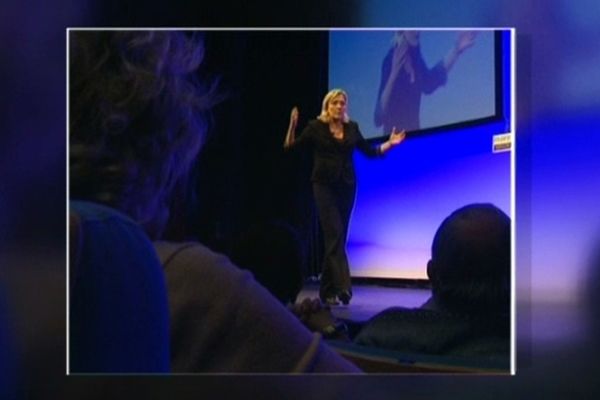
(332, 138)
(405, 76)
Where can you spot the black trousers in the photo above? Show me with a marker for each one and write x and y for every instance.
(334, 204)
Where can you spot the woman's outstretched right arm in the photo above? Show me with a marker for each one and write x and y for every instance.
(290, 137)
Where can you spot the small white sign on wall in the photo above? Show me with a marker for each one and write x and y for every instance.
(502, 143)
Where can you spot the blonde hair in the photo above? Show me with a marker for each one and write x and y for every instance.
(324, 116)
(397, 38)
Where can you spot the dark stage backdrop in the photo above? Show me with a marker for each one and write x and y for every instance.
(243, 177)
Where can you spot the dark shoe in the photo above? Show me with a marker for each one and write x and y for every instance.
(330, 301)
(345, 297)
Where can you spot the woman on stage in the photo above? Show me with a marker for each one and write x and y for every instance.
(332, 138)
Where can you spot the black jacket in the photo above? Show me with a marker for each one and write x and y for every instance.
(332, 158)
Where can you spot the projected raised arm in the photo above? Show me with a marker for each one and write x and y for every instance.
(465, 40)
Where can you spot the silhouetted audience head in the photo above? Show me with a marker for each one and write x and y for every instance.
(469, 268)
(137, 115)
(137, 120)
(272, 251)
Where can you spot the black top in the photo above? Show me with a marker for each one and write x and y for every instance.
(333, 157)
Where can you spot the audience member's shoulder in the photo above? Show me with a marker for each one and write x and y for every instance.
(192, 259)
(189, 253)
(430, 331)
(391, 319)
(399, 317)
(88, 211)
(399, 328)
(98, 231)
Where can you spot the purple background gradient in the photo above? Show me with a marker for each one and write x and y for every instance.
(557, 189)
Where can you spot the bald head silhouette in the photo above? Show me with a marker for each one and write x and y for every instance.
(469, 268)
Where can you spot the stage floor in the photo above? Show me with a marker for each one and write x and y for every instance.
(368, 300)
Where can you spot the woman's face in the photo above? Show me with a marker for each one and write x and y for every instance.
(412, 37)
(336, 108)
